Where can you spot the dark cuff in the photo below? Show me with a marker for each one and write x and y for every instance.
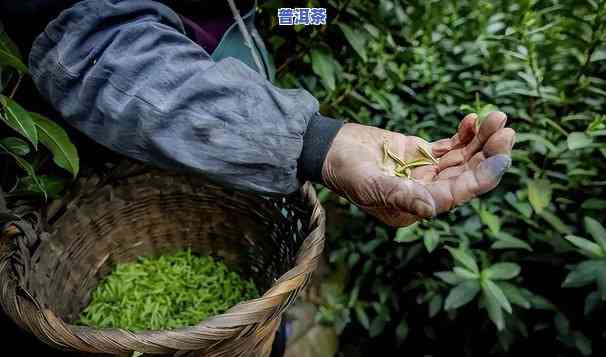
(316, 142)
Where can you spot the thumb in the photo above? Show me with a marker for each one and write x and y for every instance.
(405, 196)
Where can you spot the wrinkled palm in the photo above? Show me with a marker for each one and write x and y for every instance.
(470, 164)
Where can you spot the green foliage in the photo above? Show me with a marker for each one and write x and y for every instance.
(592, 270)
(418, 67)
(166, 292)
(469, 281)
(56, 140)
(9, 53)
(34, 128)
(19, 119)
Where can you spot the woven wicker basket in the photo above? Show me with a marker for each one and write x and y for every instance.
(46, 279)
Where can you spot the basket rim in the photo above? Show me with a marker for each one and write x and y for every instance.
(241, 320)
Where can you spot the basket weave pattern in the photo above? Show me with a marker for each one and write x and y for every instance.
(46, 279)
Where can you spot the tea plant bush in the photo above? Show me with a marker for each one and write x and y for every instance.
(523, 267)
(27, 139)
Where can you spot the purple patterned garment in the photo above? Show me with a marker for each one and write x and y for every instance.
(207, 32)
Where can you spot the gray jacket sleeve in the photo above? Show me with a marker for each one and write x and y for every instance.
(125, 74)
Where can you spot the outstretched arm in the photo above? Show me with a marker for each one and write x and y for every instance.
(125, 74)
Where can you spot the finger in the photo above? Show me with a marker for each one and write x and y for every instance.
(467, 130)
(412, 197)
(464, 134)
(400, 202)
(456, 190)
(442, 146)
(493, 122)
(459, 169)
(500, 142)
(452, 158)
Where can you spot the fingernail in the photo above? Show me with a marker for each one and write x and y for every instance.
(422, 208)
(512, 142)
(503, 119)
(498, 164)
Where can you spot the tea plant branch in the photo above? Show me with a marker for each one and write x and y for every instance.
(595, 42)
(533, 66)
(14, 91)
(342, 96)
(247, 37)
(3, 206)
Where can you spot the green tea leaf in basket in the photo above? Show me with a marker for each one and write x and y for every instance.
(165, 292)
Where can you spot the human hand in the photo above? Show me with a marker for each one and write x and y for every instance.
(469, 164)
